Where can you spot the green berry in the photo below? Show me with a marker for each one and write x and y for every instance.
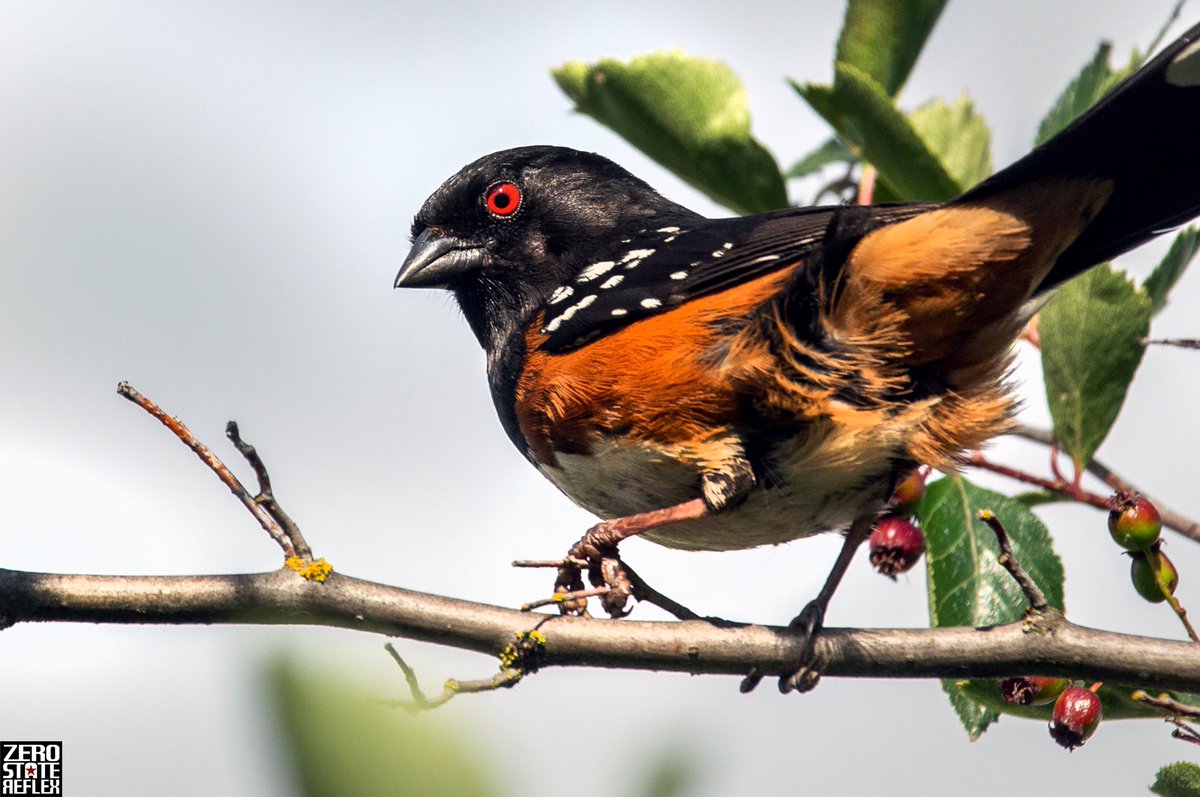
(1133, 522)
(1141, 573)
(1076, 715)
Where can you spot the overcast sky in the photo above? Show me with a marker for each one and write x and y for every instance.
(211, 200)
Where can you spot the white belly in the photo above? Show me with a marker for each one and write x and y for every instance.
(620, 478)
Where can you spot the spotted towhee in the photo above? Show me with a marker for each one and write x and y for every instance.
(715, 384)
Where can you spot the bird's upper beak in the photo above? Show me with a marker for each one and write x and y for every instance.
(435, 260)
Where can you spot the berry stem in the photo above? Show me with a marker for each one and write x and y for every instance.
(1152, 556)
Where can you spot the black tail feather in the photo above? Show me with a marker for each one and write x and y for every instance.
(1145, 137)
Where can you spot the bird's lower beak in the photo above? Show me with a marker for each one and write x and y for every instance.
(435, 261)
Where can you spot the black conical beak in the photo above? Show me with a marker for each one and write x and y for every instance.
(436, 260)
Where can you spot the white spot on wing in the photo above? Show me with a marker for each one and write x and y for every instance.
(727, 246)
(667, 229)
(561, 293)
(620, 311)
(567, 314)
(650, 304)
(1185, 67)
(679, 275)
(763, 259)
(637, 254)
(595, 270)
(612, 281)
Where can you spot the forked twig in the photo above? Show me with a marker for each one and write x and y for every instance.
(264, 508)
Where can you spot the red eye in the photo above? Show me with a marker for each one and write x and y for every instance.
(503, 199)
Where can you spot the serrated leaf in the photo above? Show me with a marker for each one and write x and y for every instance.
(690, 115)
(966, 583)
(345, 743)
(959, 138)
(974, 715)
(1181, 779)
(1095, 80)
(884, 37)
(867, 119)
(832, 151)
(1171, 267)
(1092, 333)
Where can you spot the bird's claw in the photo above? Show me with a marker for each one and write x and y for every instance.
(807, 673)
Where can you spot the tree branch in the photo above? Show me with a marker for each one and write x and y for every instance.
(696, 646)
(1170, 518)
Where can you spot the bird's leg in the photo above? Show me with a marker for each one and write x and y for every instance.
(720, 489)
(812, 617)
(598, 548)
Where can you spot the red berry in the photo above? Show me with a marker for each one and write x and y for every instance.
(909, 493)
(1141, 573)
(896, 545)
(1076, 714)
(1133, 522)
(1031, 690)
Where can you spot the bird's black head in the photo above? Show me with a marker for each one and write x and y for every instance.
(513, 226)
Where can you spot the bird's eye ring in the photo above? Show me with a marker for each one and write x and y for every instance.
(503, 199)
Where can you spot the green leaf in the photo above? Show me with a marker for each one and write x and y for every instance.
(832, 151)
(869, 122)
(1092, 333)
(1095, 80)
(1181, 779)
(883, 38)
(690, 115)
(966, 583)
(1116, 699)
(345, 743)
(959, 138)
(974, 715)
(1171, 267)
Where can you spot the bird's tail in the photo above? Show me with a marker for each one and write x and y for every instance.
(1143, 140)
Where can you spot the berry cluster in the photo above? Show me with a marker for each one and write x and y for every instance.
(1135, 525)
(1077, 711)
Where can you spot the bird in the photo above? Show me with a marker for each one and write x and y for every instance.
(719, 384)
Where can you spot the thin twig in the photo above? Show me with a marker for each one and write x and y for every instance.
(507, 677)
(214, 463)
(644, 592)
(266, 497)
(1167, 705)
(1170, 518)
(977, 460)
(558, 598)
(1178, 714)
(866, 185)
(1154, 558)
(1033, 593)
(1183, 343)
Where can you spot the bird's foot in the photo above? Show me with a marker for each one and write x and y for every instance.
(807, 673)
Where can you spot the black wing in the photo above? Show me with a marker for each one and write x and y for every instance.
(661, 268)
